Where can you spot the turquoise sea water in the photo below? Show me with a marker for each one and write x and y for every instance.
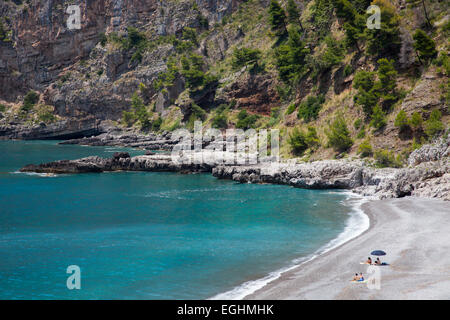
(138, 235)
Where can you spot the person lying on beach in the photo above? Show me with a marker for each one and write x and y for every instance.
(369, 261)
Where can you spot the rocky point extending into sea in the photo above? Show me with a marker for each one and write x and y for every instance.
(427, 175)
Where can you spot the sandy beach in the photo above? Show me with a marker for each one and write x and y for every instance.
(415, 234)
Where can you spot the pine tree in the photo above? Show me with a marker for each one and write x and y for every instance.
(293, 12)
(387, 75)
(378, 118)
(290, 57)
(401, 120)
(277, 18)
(424, 45)
(339, 135)
(386, 40)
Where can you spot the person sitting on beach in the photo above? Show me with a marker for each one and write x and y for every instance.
(378, 262)
(361, 277)
(356, 277)
(369, 260)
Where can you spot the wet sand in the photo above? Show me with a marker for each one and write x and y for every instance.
(415, 234)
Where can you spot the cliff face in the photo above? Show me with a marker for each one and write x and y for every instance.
(43, 48)
(209, 60)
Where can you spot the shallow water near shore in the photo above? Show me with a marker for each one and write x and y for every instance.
(142, 235)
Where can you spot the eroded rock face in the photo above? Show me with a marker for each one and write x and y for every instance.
(254, 92)
(423, 96)
(430, 152)
(44, 50)
(430, 180)
(66, 129)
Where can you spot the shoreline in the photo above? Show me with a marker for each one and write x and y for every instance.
(414, 232)
(356, 213)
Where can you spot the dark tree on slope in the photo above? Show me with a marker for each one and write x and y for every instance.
(277, 18)
(294, 13)
(424, 45)
(386, 40)
(290, 57)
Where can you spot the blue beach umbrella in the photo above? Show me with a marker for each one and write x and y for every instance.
(378, 253)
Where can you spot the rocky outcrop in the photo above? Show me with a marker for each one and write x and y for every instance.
(119, 162)
(426, 180)
(430, 152)
(429, 180)
(254, 92)
(66, 129)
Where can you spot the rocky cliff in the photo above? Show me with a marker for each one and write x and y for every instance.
(150, 67)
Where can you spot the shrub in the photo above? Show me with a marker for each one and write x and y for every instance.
(378, 118)
(293, 12)
(245, 57)
(368, 100)
(166, 79)
(334, 53)
(220, 120)
(401, 120)
(277, 18)
(348, 70)
(128, 118)
(424, 45)
(385, 158)
(344, 10)
(387, 76)
(338, 135)
(291, 108)
(138, 113)
(190, 34)
(416, 120)
(386, 40)
(327, 58)
(415, 145)
(2, 107)
(434, 125)
(309, 109)
(443, 63)
(156, 124)
(192, 71)
(198, 112)
(297, 141)
(311, 138)
(30, 99)
(290, 57)
(246, 121)
(357, 124)
(364, 80)
(103, 39)
(202, 21)
(370, 91)
(365, 149)
(45, 114)
(361, 133)
(135, 38)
